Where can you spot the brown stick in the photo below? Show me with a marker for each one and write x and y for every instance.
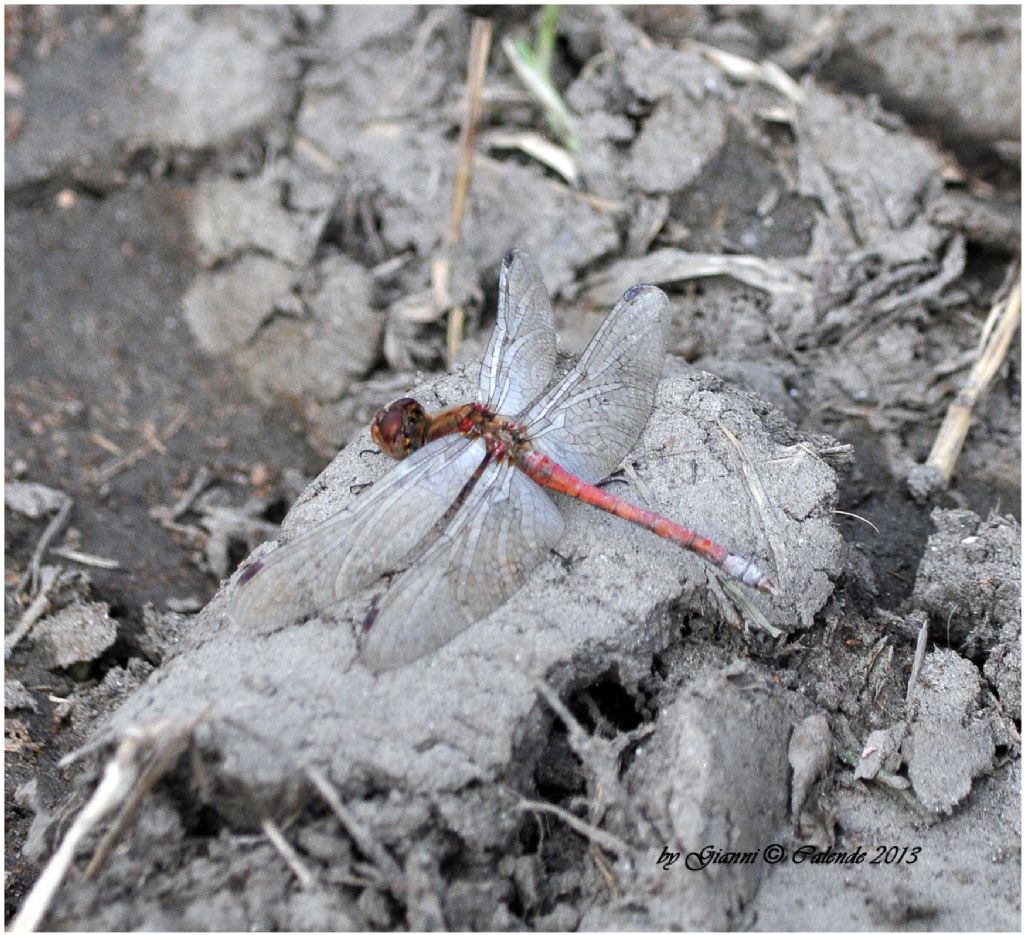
(120, 779)
(164, 758)
(999, 329)
(479, 50)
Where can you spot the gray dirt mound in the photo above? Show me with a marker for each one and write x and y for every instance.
(448, 744)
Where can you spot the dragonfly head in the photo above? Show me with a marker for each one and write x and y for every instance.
(401, 428)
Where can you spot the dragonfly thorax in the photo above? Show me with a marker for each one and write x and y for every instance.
(503, 437)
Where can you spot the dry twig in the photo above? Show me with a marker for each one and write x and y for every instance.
(168, 743)
(84, 558)
(153, 442)
(600, 757)
(38, 607)
(814, 43)
(760, 499)
(290, 855)
(605, 871)
(119, 780)
(52, 528)
(479, 49)
(536, 147)
(184, 503)
(863, 519)
(743, 69)
(1000, 327)
(366, 842)
(603, 839)
(915, 669)
(670, 266)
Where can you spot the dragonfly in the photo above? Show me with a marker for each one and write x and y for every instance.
(458, 525)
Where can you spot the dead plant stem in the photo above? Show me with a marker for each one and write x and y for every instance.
(1001, 325)
(479, 51)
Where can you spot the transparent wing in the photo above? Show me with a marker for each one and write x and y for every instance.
(520, 357)
(589, 421)
(502, 530)
(367, 538)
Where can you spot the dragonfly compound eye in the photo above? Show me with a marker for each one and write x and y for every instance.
(400, 429)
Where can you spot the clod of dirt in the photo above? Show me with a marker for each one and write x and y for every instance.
(653, 74)
(549, 220)
(810, 757)
(16, 697)
(683, 133)
(163, 633)
(32, 500)
(990, 225)
(712, 779)
(949, 743)
(323, 353)
(924, 481)
(231, 216)
(870, 180)
(688, 468)
(881, 751)
(225, 308)
(969, 584)
(359, 26)
(79, 633)
(90, 706)
(677, 141)
(900, 63)
(1002, 670)
(218, 72)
